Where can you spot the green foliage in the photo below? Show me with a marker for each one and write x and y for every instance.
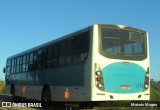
(155, 91)
(1, 87)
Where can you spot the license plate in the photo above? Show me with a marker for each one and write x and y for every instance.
(125, 87)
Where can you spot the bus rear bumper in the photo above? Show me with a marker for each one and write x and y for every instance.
(133, 96)
(117, 96)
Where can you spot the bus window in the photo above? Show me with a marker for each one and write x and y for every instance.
(31, 58)
(20, 66)
(12, 67)
(35, 60)
(61, 53)
(44, 58)
(8, 67)
(27, 62)
(17, 70)
(31, 62)
(80, 48)
(123, 44)
(27, 58)
(68, 59)
(39, 59)
(77, 44)
(8, 63)
(85, 49)
(50, 53)
(55, 55)
(24, 64)
(15, 63)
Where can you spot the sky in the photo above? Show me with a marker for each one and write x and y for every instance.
(28, 23)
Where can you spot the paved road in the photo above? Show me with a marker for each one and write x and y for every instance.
(5, 97)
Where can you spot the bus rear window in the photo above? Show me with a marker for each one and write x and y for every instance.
(122, 42)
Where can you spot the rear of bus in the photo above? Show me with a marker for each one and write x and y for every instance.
(120, 57)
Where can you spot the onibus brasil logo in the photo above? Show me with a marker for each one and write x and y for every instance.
(13, 104)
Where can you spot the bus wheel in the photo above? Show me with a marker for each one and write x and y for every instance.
(46, 96)
(13, 92)
(14, 98)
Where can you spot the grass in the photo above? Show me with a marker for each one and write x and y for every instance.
(155, 92)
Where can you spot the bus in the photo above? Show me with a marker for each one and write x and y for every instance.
(101, 62)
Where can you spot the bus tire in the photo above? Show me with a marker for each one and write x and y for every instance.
(12, 91)
(46, 96)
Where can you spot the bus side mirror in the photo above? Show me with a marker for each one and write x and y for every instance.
(4, 70)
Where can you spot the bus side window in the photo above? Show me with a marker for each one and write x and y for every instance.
(68, 59)
(49, 61)
(8, 65)
(17, 70)
(35, 60)
(85, 47)
(24, 64)
(12, 67)
(76, 50)
(20, 64)
(39, 59)
(55, 55)
(61, 53)
(44, 58)
(27, 62)
(80, 48)
(15, 63)
(31, 62)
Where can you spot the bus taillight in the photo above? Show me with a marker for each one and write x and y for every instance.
(146, 80)
(99, 77)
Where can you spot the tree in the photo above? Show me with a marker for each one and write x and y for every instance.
(152, 82)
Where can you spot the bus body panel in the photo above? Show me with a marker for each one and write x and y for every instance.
(123, 78)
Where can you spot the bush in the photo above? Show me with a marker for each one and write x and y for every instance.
(1, 87)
